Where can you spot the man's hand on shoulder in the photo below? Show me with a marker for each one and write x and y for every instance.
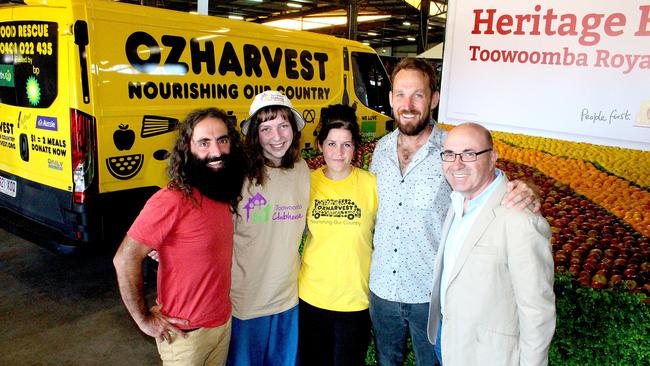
(522, 195)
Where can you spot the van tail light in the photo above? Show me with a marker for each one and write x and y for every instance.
(83, 141)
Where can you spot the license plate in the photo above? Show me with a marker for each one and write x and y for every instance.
(8, 186)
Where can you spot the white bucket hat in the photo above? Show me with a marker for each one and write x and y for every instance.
(267, 99)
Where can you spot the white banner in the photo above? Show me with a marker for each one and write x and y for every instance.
(577, 70)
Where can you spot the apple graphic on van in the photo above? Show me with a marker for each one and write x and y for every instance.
(123, 137)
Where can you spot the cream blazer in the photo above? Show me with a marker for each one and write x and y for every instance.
(500, 305)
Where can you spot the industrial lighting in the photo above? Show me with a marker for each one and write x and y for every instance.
(406, 23)
(410, 39)
(372, 34)
(236, 17)
(315, 22)
(294, 5)
(366, 43)
(437, 9)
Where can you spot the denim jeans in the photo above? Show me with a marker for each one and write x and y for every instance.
(392, 322)
(270, 340)
(438, 348)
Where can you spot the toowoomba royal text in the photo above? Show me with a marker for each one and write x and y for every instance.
(595, 58)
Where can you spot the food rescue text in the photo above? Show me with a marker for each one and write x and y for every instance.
(299, 65)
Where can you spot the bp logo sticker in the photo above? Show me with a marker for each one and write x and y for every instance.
(33, 91)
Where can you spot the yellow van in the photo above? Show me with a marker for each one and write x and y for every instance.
(91, 93)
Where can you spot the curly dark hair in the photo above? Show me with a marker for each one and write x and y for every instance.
(257, 161)
(179, 156)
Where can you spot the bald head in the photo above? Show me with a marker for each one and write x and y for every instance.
(473, 131)
(469, 177)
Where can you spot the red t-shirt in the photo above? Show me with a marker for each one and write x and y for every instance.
(195, 246)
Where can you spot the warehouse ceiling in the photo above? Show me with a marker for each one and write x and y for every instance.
(399, 26)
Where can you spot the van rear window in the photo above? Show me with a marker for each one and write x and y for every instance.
(28, 63)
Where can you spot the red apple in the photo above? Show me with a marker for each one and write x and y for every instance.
(616, 279)
(620, 263)
(629, 273)
(596, 253)
(575, 260)
(584, 281)
(589, 266)
(574, 269)
(598, 281)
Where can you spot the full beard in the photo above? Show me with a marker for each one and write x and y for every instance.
(222, 185)
(414, 130)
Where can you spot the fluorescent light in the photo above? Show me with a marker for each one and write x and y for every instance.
(372, 34)
(366, 43)
(294, 5)
(236, 17)
(316, 22)
(410, 39)
(406, 23)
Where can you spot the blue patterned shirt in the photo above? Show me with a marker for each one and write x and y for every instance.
(412, 209)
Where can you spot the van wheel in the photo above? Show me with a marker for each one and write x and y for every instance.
(24, 147)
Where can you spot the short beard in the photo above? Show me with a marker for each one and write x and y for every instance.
(418, 128)
(223, 185)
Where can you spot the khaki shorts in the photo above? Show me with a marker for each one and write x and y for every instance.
(204, 346)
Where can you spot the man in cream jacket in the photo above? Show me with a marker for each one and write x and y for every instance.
(492, 301)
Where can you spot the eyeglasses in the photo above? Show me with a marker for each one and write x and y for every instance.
(465, 156)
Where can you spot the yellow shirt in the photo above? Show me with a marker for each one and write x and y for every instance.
(336, 259)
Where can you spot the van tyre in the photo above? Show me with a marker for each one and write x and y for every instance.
(24, 147)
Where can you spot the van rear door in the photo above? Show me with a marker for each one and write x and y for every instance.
(35, 115)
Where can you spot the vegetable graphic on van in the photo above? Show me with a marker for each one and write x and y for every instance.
(344, 207)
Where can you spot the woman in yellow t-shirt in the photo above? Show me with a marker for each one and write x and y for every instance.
(334, 323)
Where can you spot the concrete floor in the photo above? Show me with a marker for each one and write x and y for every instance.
(57, 310)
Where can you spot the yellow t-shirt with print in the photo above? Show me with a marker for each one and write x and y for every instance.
(336, 258)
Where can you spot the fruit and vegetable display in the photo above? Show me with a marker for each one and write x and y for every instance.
(596, 199)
